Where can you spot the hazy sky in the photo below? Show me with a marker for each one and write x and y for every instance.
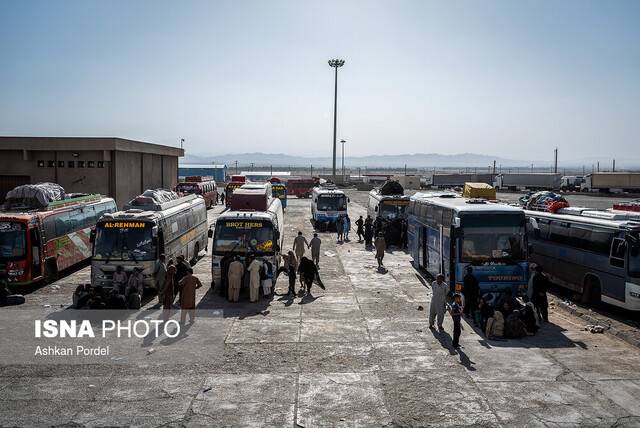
(507, 78)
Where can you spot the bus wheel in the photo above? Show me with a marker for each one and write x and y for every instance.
(51, 271)
(196, 250)
(591, 291)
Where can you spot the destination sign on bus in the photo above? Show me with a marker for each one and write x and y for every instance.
(124, 225)
(243, 224)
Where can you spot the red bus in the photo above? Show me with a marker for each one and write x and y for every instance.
(301, 186)
(197, 185)
(38, 244)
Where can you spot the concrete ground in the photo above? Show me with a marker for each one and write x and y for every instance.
(356, 354)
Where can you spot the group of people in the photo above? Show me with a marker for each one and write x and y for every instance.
(507, 318)
(259, 273)
(343, 227)
(171, 280)
(296, 264)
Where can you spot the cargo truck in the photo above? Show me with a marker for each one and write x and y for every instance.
(442, 181)
(612, 182)
(530, 181)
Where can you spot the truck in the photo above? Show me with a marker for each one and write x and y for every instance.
(442, 181)
(527, 180)
(571, 182)
(301, 187)
(612, 182)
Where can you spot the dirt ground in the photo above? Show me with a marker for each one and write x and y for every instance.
(359, 353)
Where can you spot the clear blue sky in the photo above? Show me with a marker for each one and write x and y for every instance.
(508, 78)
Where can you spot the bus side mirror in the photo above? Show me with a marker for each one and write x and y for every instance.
(458, 233)
(276, 234)
(530, 249)
(348, 200)
(92, 236)
(376, 208)
(315, 200)
(277, 248)
(210, 233)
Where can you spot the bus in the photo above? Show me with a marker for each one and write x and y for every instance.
(240, 232)
(327, 204)
(280, 191)
(447, 233)
(198, 185)
(228, 191)
(146, 228)
(390, 212)
(37, 245)
(593, 253)
(301, 187)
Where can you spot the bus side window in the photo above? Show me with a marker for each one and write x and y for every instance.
(35, 250)
(49, 228)
(618, 251)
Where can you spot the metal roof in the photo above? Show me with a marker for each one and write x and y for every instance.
(461, 204)
(201, 165)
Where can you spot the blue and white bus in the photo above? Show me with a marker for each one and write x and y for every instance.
(327, 204)
(593, 253)
(447, 233)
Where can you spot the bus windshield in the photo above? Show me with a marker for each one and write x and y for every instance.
(334, 202)
(242, 236)
(493, 238)
(188, 188)
(279, 191)
(392, 210)
(13, 240)
(120, 240)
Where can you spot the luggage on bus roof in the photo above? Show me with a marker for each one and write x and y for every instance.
(479, 190)
(391, 187)
(38, 195)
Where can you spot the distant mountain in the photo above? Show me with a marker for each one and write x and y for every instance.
(412, 160)
(416, 160)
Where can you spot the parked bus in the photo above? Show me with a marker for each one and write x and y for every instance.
(593, 253)
(301, 187)
(327, 205)
(198, 185)
(228, 191)
(280, 191)
(240, 232)
(39, 244)
(447, 233)
(389, 212)
(136, 236)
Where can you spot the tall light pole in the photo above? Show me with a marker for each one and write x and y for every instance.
(335, 63)
(342, 142)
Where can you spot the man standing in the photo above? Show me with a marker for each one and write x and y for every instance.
(455, 309)
(159, 273)
(368, 231)
(254, 279)
(439, 291)
(181, 269)
(299, 245)
(315, 249)
(222, 198)
(135, 289)
(188, 286)
(346, 227)
(381, 246)
(540, 285)
(340, 228)
(471, 291)
(236, 270)
(360, 228)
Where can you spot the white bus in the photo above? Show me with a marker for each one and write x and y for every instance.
(593, 253)
(327, 204)
(136, 237)
(239, 233)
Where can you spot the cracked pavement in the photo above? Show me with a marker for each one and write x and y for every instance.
(356, 354)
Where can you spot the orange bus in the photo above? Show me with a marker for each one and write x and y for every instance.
(36, 245)
(198, 185)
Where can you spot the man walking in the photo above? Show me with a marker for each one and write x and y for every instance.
(381, 246)
(360, 228)
(471, 291)
(159, 273)
(222, 198)
(299, 245)
(439, 291)
(188, 286)
(308, 272)
(181, 269)
(236, 271)
(315, 249)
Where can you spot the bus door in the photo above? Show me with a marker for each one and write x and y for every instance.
(36, 252)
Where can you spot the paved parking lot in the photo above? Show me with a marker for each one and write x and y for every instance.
(356, 354)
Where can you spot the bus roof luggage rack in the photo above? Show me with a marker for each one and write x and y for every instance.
(34, 196)
(157, 200)
(612, 215)
(391, 187)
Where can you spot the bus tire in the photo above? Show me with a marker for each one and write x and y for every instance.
(51, 270)
(196, 250)
(591, 291)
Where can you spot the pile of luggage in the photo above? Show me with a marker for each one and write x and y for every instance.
(391, 187)
(34, 196)
(546, 201)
